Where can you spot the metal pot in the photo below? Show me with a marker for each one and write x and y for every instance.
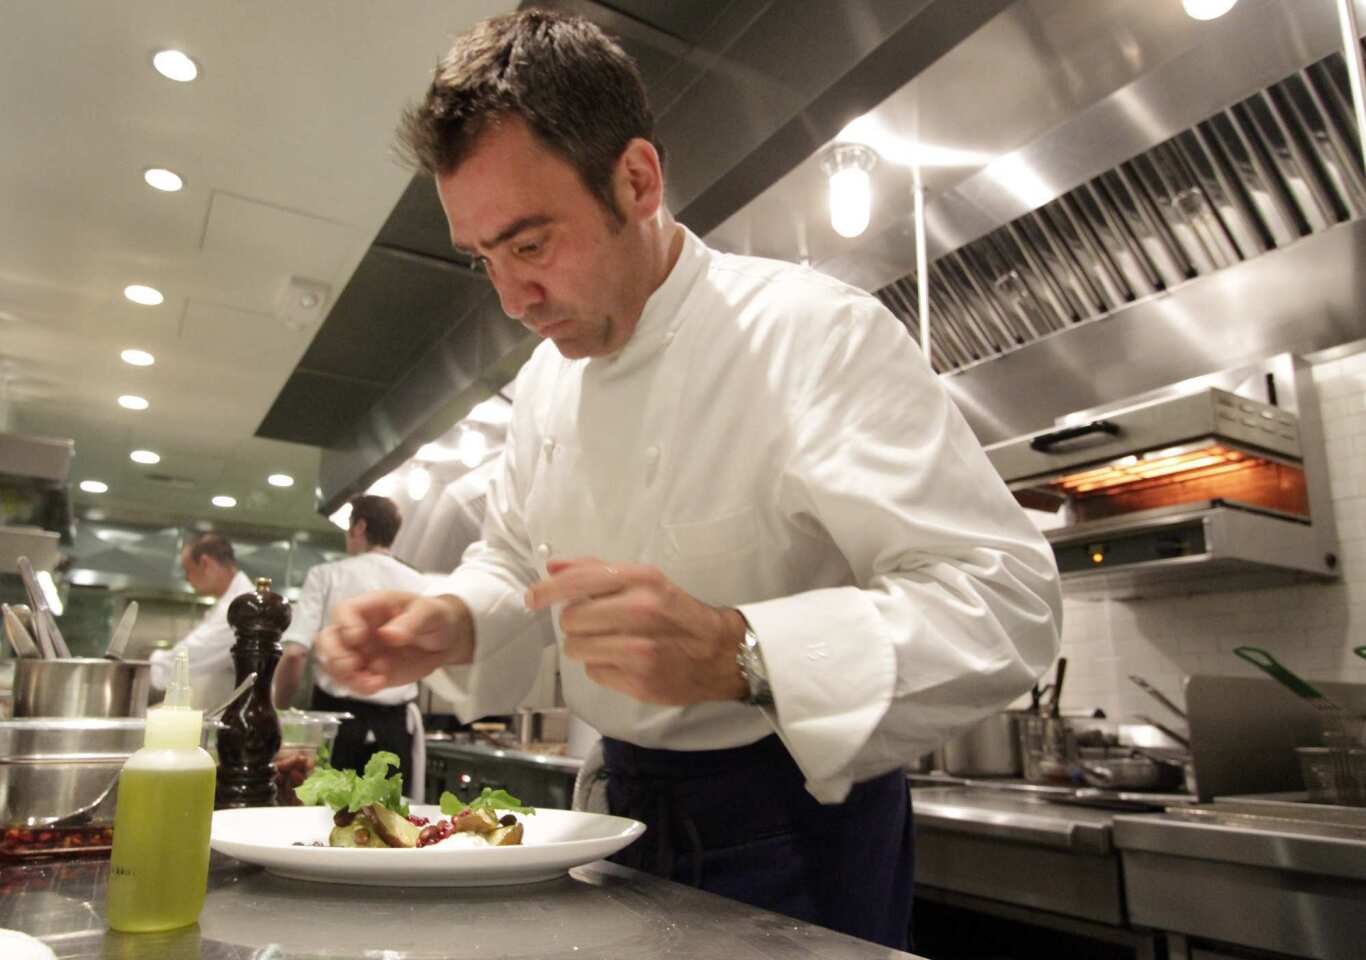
(989, 749)
(81, 687)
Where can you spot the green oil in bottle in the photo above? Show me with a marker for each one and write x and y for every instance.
(159, 868)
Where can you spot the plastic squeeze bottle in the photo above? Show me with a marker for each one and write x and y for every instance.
(159, 869)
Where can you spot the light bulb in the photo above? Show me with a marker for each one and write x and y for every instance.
(419, 482)
(473, 446)
(851, 201)
(174, 65)
(168, 181)
(1207, 9)
(138, 358)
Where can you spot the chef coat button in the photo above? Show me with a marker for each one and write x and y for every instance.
(652, 455)
(548, 448)
(543, 552)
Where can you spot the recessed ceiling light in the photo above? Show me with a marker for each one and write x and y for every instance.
(147, 296)
(144, 456)
(138, 358)
(94, 486)
(1207, 9)
(280, 480)
(131, 401)
(174, 65)
(224, 501)
(166, 180)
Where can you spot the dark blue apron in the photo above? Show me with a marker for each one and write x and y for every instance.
(741, 824)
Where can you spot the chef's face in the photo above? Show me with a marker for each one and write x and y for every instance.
(562, 264)
(197, 572)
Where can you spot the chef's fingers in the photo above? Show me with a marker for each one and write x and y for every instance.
(354, 622)
(425, 623)
(582, 579)
(629, 611)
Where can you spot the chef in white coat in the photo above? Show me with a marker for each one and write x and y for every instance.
(211, 568)
(776, 560)
(381, 719)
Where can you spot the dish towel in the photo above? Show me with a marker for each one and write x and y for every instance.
(417, 771)
(590, 784)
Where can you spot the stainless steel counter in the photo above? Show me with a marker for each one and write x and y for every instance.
(1013, 815)
(1283, 876)
(597, 911)
(1006, 844)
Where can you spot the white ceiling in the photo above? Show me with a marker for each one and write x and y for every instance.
(285, 145)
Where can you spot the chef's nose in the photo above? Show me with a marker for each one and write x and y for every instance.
(517, 292)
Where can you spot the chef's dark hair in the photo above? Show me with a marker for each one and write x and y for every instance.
(213, 545)
(578, 91)
(381, 517)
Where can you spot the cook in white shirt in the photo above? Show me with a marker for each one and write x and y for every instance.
(380, 719)
(707, 443)
(211, 568)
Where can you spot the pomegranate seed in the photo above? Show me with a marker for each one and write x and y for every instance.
(428, 836)
(418, 821)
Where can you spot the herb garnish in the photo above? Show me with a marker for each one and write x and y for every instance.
(343, 788)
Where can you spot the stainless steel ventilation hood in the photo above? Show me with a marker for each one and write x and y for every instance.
(1154, 200)
(35, 511)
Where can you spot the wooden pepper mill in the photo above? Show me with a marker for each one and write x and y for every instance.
(248, 742)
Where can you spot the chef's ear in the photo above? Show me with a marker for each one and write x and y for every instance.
(638, 181)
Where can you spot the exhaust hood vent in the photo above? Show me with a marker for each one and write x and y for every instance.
(1280, 165)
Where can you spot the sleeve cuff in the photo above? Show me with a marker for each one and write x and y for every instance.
(806, 639)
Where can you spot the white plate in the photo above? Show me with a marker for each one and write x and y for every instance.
(552, 842)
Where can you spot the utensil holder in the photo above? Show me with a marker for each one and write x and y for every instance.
(1048, 749)
(81, 687)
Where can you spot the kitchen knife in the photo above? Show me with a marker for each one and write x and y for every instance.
(43, 623)
(18, 635)
(119, 642)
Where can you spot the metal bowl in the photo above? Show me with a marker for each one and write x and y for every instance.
(52, 767)
(81, 687)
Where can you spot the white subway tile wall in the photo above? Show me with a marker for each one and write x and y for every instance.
(1310, 627)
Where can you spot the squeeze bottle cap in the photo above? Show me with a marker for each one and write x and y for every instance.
(173, 724)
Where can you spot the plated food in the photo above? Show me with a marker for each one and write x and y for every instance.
(369, 811)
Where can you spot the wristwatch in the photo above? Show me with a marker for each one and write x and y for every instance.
(751, 661)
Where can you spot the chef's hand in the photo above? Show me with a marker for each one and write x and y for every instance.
(389, 637)
(636, 632)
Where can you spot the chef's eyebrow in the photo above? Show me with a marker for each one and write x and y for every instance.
(506, 234)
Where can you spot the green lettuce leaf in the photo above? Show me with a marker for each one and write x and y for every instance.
(342, 788)
(490, 800)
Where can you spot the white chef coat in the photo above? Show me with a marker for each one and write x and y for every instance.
(327, 585)
(212, 673)
(773, 441)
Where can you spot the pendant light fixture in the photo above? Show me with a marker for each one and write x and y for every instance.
(848, 167)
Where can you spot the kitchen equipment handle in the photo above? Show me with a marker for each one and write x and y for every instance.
(1265, 662)
(1055, 708)
(18, 634)
(1157, 695)
(222, 708)
(1045, 442)
(43, 623)
(119, 642)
